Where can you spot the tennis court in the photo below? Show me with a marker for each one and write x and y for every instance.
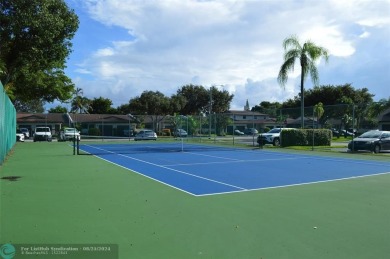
(49, 195)
(207, 170)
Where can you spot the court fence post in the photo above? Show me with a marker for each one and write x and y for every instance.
(312, 143)
(261, 140)
(74, 146)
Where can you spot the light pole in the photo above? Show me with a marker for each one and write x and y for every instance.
(210, 108)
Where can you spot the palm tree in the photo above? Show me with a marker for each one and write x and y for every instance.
(308, 54)
(79, 103)
(319, 111)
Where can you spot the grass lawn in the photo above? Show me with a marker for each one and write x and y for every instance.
(65, 199)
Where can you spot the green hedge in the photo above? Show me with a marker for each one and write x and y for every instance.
(304, 137)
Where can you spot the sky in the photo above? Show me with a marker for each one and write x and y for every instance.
(125, 47)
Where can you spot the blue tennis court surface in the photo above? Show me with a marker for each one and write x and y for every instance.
(205, 170)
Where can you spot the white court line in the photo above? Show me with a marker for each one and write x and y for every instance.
(297, 184)
(282, 156)
(226, 158)
(236, 161)
(220, 157)
(171, 169)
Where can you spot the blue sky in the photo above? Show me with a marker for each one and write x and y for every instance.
(124, 47)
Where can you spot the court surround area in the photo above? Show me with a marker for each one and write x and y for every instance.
(212, 202)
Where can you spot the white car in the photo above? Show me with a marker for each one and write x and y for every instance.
(271, 137)
(180, 133)
(238, 132)
(26, 132)
(251, 131)
(19, 136)
(69, 134)
(146, 135)
(42, 133)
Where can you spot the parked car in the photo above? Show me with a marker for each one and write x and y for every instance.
(250, 131)
(42, 134)
(373, 140)
(146, 135)
(238, 132)
(26, 132)
(181, 133)
(346, 133)
(69, 134)
(271, 137)
(19, 135)
(335, 132)
(353, 131)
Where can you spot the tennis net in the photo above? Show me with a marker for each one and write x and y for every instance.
(124, 146)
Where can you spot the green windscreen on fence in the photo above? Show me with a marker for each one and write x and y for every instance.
(7, 124)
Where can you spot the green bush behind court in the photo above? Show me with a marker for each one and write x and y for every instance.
(304, 137)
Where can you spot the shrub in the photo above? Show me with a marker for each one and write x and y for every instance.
(322, 137)
(304, 137)
(293, 137)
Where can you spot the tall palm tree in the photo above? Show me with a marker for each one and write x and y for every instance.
(308, 54)
(319, 111)
(79, 103)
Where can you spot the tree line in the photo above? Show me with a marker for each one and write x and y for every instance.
(189, 99)
(327, 102)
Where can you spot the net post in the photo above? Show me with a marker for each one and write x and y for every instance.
(74, 146)
(312, 143)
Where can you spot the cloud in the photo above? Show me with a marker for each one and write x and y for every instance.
(234, 43)
(258, 91)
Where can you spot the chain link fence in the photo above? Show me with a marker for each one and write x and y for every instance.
(243, 127)
(343, 117)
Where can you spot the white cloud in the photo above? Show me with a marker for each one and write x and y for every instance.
(234, 43)
(105, 52)
(365, 35)
(330, 37)
(83, 71)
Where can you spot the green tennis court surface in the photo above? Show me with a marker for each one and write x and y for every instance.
(49, 196)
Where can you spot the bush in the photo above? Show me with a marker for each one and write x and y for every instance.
(293, 137)
(304, 137)
(322, 137)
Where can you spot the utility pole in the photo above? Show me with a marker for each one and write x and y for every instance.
(210, 109)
